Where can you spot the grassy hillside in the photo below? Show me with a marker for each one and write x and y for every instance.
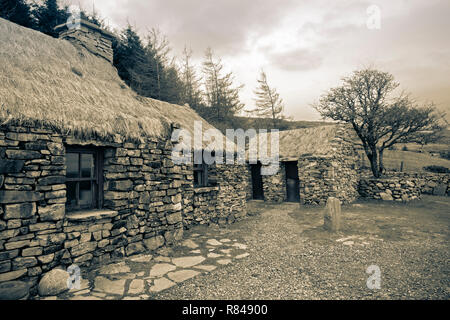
(412, 161)
(259, 123)
(414, 158)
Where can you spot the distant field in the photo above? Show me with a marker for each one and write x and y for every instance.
(412, 161)
(432, 147)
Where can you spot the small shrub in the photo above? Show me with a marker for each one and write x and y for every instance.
(436, 169)
(405, 148)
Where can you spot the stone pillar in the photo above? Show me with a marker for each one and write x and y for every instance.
(332, 216)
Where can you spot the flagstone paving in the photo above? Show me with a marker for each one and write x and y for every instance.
(143, 275)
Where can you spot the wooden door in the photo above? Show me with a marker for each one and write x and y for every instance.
(257, 184)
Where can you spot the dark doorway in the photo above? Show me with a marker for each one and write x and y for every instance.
(257, 183)
(292, 183)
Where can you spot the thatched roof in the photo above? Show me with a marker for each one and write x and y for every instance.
(300, 142)
(48, 82)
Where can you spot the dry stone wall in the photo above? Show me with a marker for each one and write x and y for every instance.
(274, 186)
(407, 185)
(333, 175)
(389, 189)
(320, 176)
(428, 182)
(144, 202)
(222, 202)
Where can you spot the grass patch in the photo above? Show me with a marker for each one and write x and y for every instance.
(428, 218)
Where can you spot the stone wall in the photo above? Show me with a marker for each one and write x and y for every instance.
(389, 189)
(144, 202)
(233, 184)
(221, 203)
(320, 176)
(333, 175)
(428, 182)
(274, 186)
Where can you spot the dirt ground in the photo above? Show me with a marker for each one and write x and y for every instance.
(293, 257)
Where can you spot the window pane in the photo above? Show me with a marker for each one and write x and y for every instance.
(71, 194)
(72, 165)
(85, 194)
(87, 165)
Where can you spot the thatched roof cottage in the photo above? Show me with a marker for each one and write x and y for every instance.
(85, 163)
(315, 163)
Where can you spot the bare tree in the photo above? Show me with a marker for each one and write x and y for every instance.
(363, 100)
(268, 101)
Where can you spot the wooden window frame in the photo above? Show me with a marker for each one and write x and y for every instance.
(97, 180)
(202, 170)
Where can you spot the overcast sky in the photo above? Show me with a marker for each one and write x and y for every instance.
(305, 47)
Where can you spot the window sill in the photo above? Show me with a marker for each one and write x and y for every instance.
(205, 189)
(91, 215)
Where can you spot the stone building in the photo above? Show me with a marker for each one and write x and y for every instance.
(315, 163)
(86, 170)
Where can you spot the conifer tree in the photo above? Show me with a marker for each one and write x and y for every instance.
(221, 96)
(17, 11)
(268, 101)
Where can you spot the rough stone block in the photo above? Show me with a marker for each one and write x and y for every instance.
(154, 242)
(11, 166)
(52, 212)
(135, 247)
(332, 216)
(20, 211)
(386, 196)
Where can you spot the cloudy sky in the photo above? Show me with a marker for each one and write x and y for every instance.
(305, 47)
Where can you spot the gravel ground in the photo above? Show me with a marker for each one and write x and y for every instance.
(292, 257)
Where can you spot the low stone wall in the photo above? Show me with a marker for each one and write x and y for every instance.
(389, 189)
(222, 203)
(204, 205)
(428, 182)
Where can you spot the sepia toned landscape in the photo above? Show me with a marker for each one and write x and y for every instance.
(155, 150)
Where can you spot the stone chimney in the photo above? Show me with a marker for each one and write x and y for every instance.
(89, 36)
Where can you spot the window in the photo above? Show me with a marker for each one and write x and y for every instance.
(84, 178)
(200, 175)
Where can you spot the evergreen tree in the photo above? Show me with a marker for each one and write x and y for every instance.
(191, 92)
(171, 85)
(133, 64)
(157, 50)
(49, 15)
(268, 101)
(168, 82)
(220, 94)
(17, 11)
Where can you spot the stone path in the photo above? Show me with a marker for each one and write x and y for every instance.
(139, 276)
